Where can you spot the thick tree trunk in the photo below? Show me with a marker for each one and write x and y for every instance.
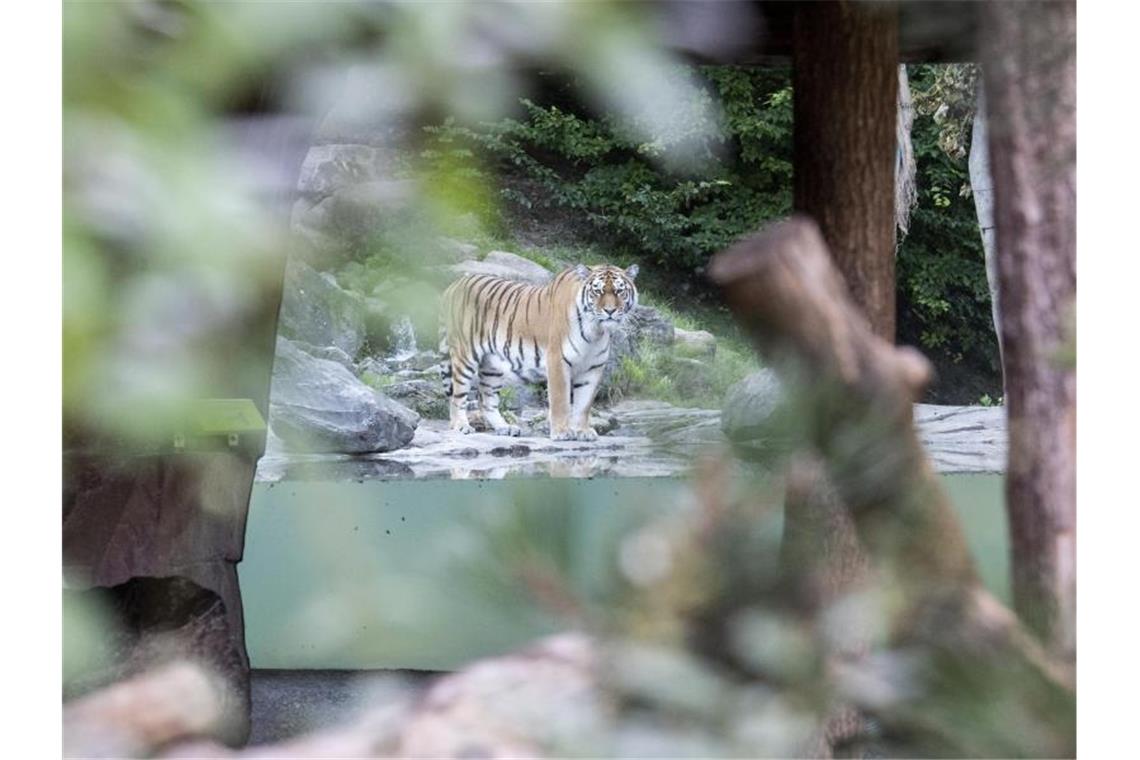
(845, 84)
(1029, 56)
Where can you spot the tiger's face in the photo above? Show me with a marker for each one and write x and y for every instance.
(608, 293)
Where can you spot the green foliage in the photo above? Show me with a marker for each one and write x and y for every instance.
(722, 169)
(659, 373)
(947, 96)
(944, 300)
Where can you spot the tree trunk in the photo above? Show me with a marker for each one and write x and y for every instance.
(845, 84)
(1029, 55)
(982, 187)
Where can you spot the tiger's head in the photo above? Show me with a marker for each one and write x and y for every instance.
(608, 293)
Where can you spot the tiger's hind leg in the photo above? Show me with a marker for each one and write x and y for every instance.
(491, 379)
(458, 377)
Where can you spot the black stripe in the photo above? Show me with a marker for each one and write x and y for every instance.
(492, 303)
(471, 291)
(486, 373)
(513, 305)
(478, 294)
(581, 331)
(535, 353)
(568, 364)
(591, 369)
(460, 395)
(579, 385)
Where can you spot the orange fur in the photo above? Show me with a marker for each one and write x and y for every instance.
(500, 331)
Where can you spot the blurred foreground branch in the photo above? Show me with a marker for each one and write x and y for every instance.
(782, 286)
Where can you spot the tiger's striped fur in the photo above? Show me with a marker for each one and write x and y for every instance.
(500, 331)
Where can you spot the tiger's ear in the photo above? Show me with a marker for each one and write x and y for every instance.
(632, 271)
(582, 271)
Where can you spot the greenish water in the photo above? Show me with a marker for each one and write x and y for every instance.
(404, 574)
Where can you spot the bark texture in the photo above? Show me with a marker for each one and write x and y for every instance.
(1029, 55)
(846, 156)
(845, 83)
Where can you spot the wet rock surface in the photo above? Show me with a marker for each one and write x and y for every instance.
(636, 439)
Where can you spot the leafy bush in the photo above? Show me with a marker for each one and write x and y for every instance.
(673, 200)
(943, 297)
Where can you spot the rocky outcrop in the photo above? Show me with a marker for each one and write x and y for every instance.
(345, 193)
(650, 327)
(318, 405)
(694, 344)
(525, 268)
(750, 405)
(644, 327)
(669, 427)
(330, 353)
(506, 265)
(317, 311)
(425, 397)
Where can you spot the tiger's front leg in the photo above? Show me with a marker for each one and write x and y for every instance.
(558, 391)
(583, 389)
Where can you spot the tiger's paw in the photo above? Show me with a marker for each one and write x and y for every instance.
(587, 434)
(465, 429)
(563, 435)
(508, 430)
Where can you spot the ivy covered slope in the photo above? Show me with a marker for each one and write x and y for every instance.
(604, 186)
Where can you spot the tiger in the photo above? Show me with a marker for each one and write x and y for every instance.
(497, 331)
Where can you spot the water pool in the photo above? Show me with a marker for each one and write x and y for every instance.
(379, 573)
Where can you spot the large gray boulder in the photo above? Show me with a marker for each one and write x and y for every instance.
(751, 406)
(505, 265)
(526, 269)
(319, 406)
(317, 311)
(650, 327)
